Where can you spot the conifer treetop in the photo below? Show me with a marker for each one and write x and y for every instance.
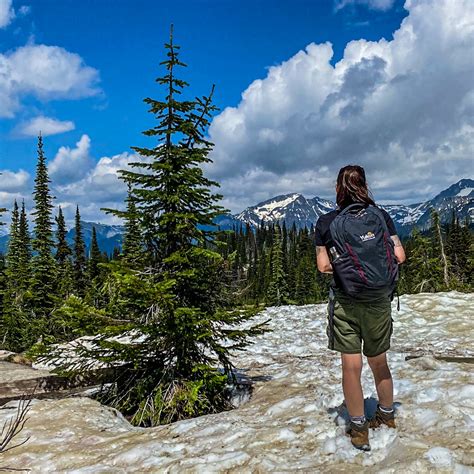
(43, 240)
(167, 185)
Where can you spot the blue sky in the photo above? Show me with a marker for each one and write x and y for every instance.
(109, 54)
(228, 43)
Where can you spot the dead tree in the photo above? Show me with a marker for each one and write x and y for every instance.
(437, 225)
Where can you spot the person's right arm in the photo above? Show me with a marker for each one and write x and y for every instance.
(322, 258)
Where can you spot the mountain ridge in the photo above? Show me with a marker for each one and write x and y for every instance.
(458, 197)
(295, 207)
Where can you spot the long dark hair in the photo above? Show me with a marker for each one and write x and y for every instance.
(352, 187)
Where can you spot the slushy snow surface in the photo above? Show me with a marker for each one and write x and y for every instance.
(294, 421)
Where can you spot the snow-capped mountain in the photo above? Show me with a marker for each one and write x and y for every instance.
(108, 236)
(458, 198)
(289, 208)
(296, 208)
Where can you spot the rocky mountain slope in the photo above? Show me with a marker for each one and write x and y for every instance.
(108, 236)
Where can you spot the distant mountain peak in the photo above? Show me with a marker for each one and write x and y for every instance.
(288, 208)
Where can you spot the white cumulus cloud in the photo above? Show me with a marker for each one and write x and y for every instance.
(6, 13)
(99, 187)
(76, 179)
(403, 108)
(45, 72)
(46, 125)
(14, 181)
(382, 5)
(71, 164)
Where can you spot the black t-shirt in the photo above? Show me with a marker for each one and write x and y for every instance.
(323, 235)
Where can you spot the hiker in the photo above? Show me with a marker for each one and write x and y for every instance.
(359, 245)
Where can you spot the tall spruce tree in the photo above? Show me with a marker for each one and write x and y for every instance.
(132, 241)
(94, 271)
(24, 251)
(95, 257)
(43, 264)
(175, 195)
(13, 253)
(63, 257)
(79, 257)
(305, 291)
(19, 254)
(10, 336)
(63, 251)
(18, 328)
(277, 292)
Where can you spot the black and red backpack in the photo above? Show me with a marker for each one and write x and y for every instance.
(363, 258)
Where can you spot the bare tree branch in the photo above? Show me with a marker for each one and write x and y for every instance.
(13, 427)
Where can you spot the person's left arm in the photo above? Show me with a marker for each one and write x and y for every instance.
(322, 259)
(398, 247)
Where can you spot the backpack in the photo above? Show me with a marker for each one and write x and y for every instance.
(363, 254)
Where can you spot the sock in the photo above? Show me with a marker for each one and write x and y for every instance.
(386, 409)
(358, 420)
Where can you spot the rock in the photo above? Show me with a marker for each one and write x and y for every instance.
(17, 380)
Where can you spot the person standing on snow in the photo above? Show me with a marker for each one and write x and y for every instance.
(358, 243)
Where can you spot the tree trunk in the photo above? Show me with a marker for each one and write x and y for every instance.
(443, 255)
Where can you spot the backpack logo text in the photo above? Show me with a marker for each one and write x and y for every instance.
(369, 236)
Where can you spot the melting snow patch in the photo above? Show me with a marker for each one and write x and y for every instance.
(440, 457)
(283, 406)
(295, 419)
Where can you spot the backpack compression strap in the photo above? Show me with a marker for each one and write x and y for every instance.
(352, 206)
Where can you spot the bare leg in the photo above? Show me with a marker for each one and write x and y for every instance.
(351, 386)
(383, 379)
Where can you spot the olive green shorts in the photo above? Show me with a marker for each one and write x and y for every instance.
(355, 322)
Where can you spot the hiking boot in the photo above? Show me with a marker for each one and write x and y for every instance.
(359, 435)
(382, 418)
